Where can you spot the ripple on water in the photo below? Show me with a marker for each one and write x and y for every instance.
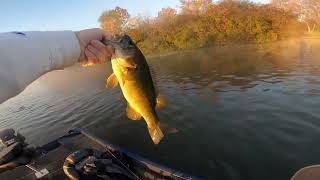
(248, 115)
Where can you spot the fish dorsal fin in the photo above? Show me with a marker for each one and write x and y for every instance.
(153, 75)
(132, 114)
(112, 81)
(160, 102)
(152, 71)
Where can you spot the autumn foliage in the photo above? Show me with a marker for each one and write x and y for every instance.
(201, 23)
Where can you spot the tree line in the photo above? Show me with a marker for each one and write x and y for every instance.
(307, 11)
(203, 23)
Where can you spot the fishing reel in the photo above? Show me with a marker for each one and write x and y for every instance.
(13, 150)
(93, 164)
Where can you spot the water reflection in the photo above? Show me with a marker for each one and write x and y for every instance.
(242, 111)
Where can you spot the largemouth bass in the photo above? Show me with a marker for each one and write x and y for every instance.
(131, 72)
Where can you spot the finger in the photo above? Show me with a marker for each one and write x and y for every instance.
(99, 45)
(107, 36)
(98, 33)
(87, 64)
(99, 54)
(110, 50)
(90, 56)
(106, 51)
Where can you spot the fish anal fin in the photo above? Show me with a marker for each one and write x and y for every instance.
(112, 81)
(160, 102)
(132, 114)
(167, 129)
(155, 134)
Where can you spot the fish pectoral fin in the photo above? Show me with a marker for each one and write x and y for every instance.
(124, 75)
(132, 114)
(112, 81)
(128, 63)
(160, 102)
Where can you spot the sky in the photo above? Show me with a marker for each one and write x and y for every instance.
(42, 15)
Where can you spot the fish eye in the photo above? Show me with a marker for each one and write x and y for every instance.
(127, 40)
(130, 42)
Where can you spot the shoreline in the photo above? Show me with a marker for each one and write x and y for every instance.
(227, 45)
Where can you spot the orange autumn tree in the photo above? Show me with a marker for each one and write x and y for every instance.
(308, 11)
(114, 20)
(204, 23)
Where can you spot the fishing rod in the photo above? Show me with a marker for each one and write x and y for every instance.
(120, 162)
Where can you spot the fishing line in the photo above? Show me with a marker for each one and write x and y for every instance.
(127, 168)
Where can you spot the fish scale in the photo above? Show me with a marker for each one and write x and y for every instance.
(131, 71)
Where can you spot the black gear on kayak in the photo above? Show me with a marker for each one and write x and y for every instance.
(13, 151)
(91, 163)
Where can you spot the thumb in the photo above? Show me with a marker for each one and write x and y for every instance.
(107, 36)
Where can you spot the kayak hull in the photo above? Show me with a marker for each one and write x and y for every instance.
(51, 157)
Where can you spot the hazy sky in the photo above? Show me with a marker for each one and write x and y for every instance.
(25, 15)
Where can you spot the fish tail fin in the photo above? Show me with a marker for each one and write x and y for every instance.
(156, 134)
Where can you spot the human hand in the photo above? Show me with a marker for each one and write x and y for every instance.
(93, 51)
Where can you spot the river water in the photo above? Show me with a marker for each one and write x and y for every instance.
(246, 112)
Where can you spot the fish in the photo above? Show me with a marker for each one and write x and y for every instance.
(132, 73)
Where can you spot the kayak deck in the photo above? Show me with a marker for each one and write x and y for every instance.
(53, 160)
(52, 156)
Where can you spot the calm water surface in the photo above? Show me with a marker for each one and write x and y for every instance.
(243, 112)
